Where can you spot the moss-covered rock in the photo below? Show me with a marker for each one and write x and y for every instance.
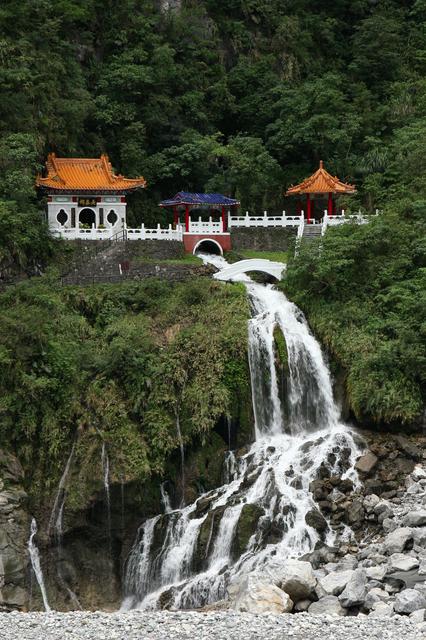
(246, 527)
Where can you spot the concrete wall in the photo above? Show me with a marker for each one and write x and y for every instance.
(272, 239)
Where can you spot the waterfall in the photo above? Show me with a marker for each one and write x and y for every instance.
(35, 563)
(165, 499)
(56, 516)
(182, 457)
(187, 558)
(105, 473)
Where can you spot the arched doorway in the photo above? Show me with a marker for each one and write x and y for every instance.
(87, 217)
(208, 246)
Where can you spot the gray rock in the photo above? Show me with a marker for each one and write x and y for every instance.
(355, 591)
(376, 573)
(396, 541)
(329, 605)
(366, 463)
(415, 519)
(297, 579)
(375, 595)
(418, 616)
(402, 562)
(370, 502)
(255, 595)
(381, 610)
(409, 600)
(334, 583)
(316, 520)
(302, 605)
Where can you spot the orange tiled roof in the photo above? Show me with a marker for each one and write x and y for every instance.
(85, 174)
(321, 182)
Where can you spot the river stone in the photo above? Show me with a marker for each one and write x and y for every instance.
(402, 562)
(366, 463)
(334, 583)
(376, 573)
(255, 595)
(355, 591)
(316, 520)
(375, 595)
(381, 610)
(329, 605)
(396, 541)
(370, 502)
(418, 616)
(297, 579)
(415, 519)
(409, 600)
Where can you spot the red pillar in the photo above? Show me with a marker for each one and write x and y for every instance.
(330, 204)
(187, 218)
(308, 208)
(175, 216)
(223, 219)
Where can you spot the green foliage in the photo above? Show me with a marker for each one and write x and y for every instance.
(117, 364)
(364, 292)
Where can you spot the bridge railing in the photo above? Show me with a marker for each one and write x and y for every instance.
(205, 226)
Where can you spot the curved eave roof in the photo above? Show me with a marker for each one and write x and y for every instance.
(321, 182)
(85, 174)
(200, 199)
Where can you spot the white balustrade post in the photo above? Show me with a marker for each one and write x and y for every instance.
(247, 221)
(265, 218)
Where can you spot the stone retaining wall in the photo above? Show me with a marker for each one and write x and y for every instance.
(259, 239)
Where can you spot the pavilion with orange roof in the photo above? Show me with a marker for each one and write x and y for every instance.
(320, 184)
(84, 194)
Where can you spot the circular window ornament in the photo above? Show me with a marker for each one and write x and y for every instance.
(112, 218)
(62, 217)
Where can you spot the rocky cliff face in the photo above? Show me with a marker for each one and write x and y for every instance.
(14, 527)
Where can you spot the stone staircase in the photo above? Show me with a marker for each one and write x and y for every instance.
(312, 231)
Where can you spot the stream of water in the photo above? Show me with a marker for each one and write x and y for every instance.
(36, 565)
(186, 558)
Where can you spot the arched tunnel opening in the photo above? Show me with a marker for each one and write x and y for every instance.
(208, 246)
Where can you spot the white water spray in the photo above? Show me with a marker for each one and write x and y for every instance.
(56, 516)
(105, 473)
(295, 436)
(36, 565)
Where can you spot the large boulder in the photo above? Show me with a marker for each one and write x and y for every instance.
(374, 596)
(415, 519)
(328, 605)
(366, 463)
(297, 579)
(316, 520)
(255, 595)
(381, 610)
(397, 541)
(409, 600)
(355, 591)
(402, 562)
(334, 583)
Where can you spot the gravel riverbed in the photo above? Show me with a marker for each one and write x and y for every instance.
(224, 625)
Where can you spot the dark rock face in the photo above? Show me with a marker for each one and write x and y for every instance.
(314, 519)
(14, 533)
(366, 463)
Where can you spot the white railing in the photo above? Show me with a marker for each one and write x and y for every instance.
(205, 226)
(263, 220)
(83, 234)
(144, 233)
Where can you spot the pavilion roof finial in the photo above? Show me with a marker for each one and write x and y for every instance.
(321, 164)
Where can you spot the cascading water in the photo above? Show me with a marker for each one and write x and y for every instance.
(105, 473)
(36, 565)
(295, 436)
(56, 516)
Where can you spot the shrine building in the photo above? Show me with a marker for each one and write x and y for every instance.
(85, 197)
(321, 188)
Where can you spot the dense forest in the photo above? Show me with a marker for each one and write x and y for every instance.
(240, 96)
(244, 97)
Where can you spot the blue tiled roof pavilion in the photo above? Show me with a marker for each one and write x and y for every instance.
(183, 198)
